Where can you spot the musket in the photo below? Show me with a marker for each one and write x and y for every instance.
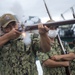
(49, 24)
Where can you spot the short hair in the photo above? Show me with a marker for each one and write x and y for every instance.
(52, 26)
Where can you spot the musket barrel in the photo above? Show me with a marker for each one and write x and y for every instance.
(58, 23)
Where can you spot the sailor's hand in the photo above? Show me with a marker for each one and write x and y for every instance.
(43, 29)
(56, 57)
(66, 64)
(13, 34)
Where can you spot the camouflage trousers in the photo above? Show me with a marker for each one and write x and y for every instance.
(18, 70)
(73, 72)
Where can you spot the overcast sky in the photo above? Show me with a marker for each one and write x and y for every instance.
(37, 8)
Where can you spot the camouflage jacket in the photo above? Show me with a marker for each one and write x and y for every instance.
(17, 59)
(55, 50)
(72, 64)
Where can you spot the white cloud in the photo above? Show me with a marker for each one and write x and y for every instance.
(36, 7)
(25, 8)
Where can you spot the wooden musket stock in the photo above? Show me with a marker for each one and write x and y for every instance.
(58, 23)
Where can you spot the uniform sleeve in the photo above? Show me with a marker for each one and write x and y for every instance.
(73, 49)
(42, 56)
(36, 42)
(69, 49)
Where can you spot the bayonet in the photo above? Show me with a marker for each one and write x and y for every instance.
(73, 12)
(62, 16)
(47, 10)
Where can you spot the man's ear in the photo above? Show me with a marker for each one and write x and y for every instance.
(2, 29)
